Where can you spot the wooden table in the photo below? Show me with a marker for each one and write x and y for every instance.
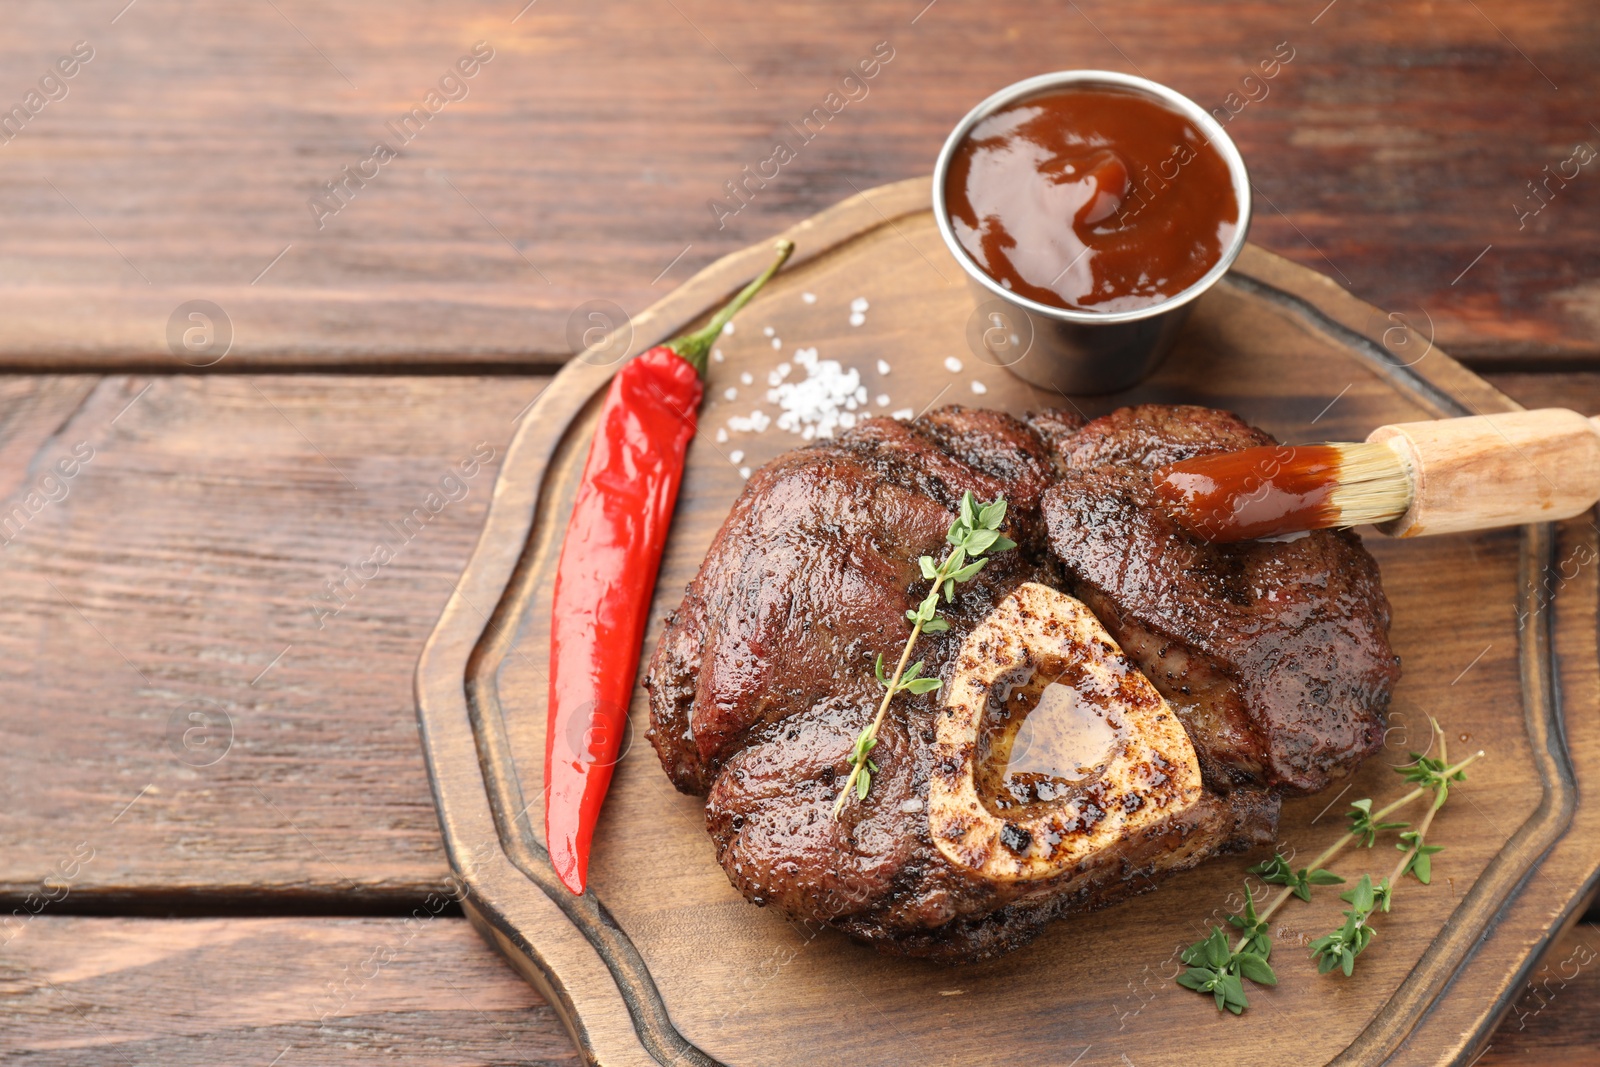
(219, 841)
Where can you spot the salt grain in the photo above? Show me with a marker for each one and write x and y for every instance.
(904, 413)
(883, 400)
(810, 298)
(716, 354)
(952, 364)
(883, 367)
(856, 318)
(859, 304)
(722, 437)
(744, 472)
(979, 388)
(777, 343)
(727, 327)
(820, 403)
(736, 456)
(768, 330)
(747, 378)
(757, 423)
(730, 393)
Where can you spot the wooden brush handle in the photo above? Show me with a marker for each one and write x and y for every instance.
(1504, 469)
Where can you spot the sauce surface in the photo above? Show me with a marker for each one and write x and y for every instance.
(1091, 199)
(1257, 492)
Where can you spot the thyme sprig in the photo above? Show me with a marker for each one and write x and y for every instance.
(1276, 872)
(1367, 826)
(1216, 968)
(975, 532)
(1340, 948)
(1433, 774)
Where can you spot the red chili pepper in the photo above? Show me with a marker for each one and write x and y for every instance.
(607, 574)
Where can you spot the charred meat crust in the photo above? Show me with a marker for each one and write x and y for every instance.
(763, 676)
(1276, 653)
(816, 563)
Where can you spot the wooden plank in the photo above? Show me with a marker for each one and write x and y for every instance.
(1555, 1022)
(31, 410)
(1393, 148)
(184, 695)
(422, 991)
(76, 992)
(1578, 391)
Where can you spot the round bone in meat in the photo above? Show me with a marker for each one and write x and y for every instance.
(1139, 776)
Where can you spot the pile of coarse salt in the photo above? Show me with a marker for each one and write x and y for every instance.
(824, 401)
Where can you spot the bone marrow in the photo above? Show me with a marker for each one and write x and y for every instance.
(1041, 652)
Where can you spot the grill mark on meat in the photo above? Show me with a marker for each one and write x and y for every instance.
(1276, 654)
(763, 676)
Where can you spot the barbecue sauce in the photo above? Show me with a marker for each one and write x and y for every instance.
(1091, 199)
(1258, 492)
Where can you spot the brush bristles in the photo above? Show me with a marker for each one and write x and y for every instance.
(1374, 484)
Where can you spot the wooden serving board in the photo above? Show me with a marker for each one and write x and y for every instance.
(661, 961)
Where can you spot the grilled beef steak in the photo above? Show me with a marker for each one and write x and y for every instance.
(1274, 653)
(811, 573)
(1047, 774)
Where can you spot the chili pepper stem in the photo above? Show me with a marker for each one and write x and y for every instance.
(694, 347)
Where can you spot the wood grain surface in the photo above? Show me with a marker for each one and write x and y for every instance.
(211, 848)
(1556, 1018)
(254, 563)
(85, 992)
(149, 1009)
(184, 571)
(414, 992)
(1393, 151)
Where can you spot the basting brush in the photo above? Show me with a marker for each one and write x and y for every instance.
(1407, 479)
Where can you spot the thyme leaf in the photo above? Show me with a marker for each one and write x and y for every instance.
(1340, 948)
(1364, 825)
(975, 533)
(1276, 871)
(1215, 968)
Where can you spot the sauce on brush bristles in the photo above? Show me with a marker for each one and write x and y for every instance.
(1283, 489)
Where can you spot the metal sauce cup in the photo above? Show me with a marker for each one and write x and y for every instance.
(1060, 348)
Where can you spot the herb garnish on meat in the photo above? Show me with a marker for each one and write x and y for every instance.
(975, 532)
